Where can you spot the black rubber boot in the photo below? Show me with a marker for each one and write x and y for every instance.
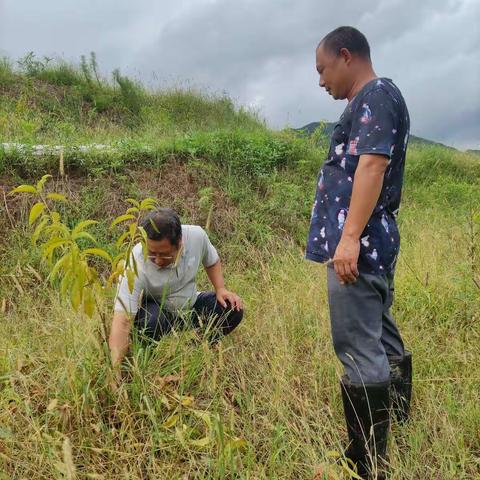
(367, 406)
(401, 385)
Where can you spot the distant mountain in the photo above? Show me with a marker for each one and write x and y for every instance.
(329, 126)
(474, 152)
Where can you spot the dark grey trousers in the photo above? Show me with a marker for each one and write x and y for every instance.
(364, 331)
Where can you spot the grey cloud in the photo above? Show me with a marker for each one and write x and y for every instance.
(262, 52)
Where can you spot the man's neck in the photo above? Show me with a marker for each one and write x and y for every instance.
(361, 80)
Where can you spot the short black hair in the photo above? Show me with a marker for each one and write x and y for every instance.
(347, 37)
(163, 223)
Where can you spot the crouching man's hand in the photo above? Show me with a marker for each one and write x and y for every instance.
(115, 379)
(118, 343)
(224, 296)
(215, 275)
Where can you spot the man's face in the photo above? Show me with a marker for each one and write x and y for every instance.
(161, 252)
(334, 72)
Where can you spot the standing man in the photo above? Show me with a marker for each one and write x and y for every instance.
(164, 295)
(354, 230)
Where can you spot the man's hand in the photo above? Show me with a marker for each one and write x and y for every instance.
(215, 275)
(115, 384)
(345, 259)
(115, 379)
(224, 296)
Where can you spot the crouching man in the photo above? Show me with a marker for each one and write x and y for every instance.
(164, 295)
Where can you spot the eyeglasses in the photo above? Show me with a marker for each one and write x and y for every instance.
(169, 258)
(161, 257)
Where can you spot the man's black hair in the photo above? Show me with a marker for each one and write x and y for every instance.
(163, 223)
(347, 37)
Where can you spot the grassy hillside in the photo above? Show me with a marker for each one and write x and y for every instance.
(268, 399)
(327, 128)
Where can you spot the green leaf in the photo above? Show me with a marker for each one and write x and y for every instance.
(152, 223)
(65, 284)
(134, 202)
(202, 442)
(99, 252)
(119, 261)
(24, 189)
(207, 418)
(132, 229)
(187, 401)
(57, 196)
(42, 181)
(132, 210)
(144, 239)
(122, 218)
(128, 254)
(122, 239)
(135, 266)
(89, 302)
(236, 444)
(38, 229)
(82, 226)
(56, 268)
(171, 421)
(59, 229)
(350, 472)
(333, 454)
(35, 212)
(76, 293)
(75, 296)
(52, 245)
(148, 204)
(92, 276)
(112, 278)
(131, 279)
(85, 235)
(118, 269)
(143, 233)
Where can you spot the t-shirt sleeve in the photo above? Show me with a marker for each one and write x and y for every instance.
(209, 252)
(374, 125)
(126, 301)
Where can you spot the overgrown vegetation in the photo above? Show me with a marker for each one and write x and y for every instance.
(266, 405)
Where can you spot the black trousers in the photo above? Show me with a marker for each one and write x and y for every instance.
(153, 322)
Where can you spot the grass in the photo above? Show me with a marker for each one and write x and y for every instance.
(55, 102)
(267, 404)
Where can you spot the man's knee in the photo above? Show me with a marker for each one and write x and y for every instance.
(227, 319)
(362, 356)
(232, 320)
(356, 323)
(366, 370)
(151, 322)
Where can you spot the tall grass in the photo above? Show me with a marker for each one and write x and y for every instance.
(52, 101)
(273, 384)
(266, 404)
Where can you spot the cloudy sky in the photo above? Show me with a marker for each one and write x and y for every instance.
(262, 52)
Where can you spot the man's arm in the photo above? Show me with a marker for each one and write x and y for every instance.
(215, 275)
(367, 186)
(126, 305)
(119, 337)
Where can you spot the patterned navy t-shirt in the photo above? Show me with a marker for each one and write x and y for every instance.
(376, 121)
